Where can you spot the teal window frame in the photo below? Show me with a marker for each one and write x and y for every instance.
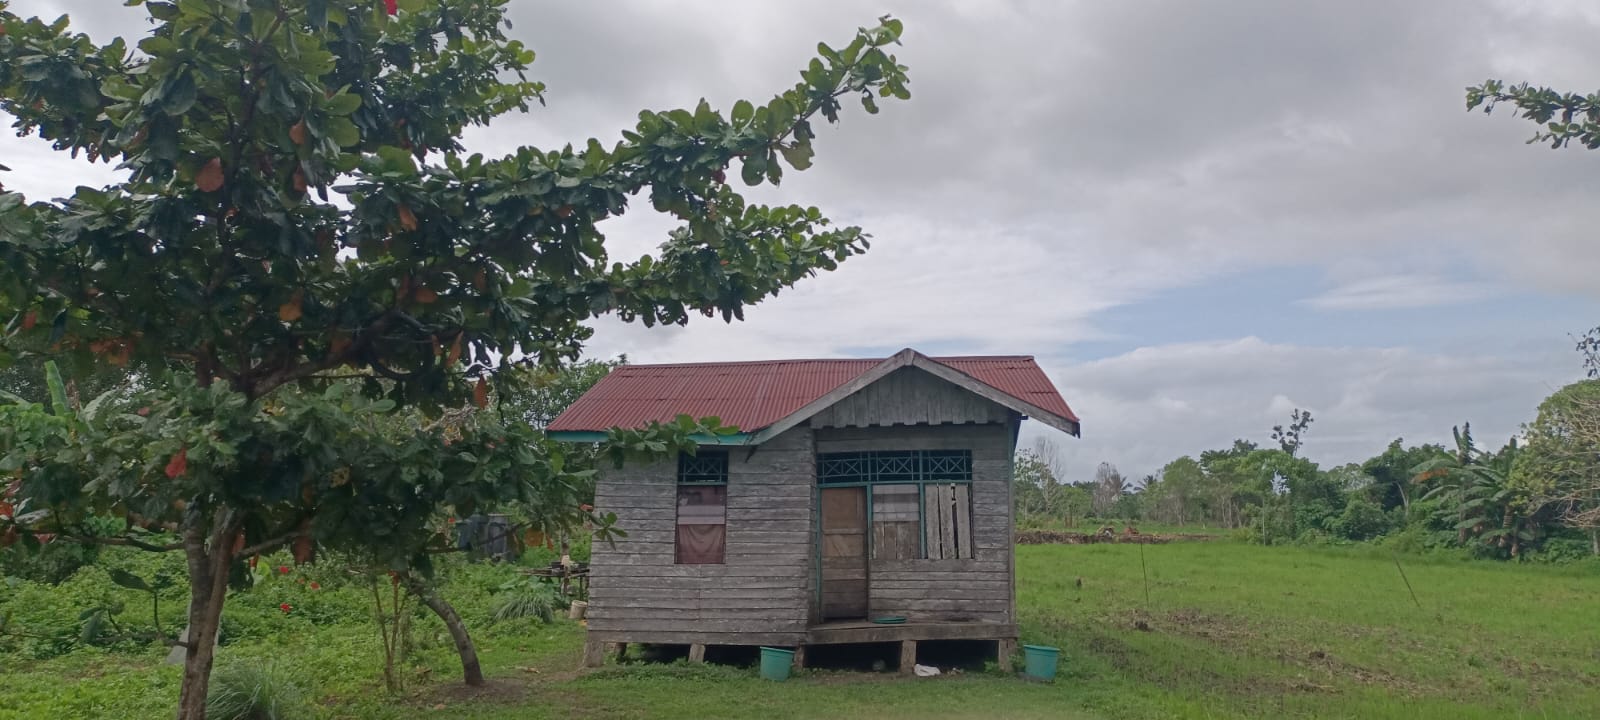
(894, 467)
(705, 468)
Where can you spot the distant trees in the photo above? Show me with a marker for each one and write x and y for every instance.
(1040, 490)
(536, 395)
(1391, 473)
(1179, 493)
(1538, 494)
(1109, 486)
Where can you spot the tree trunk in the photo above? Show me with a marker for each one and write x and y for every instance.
(208, 589)
(1594, 540)
(471, 671)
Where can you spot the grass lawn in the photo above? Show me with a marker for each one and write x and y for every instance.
(1229, 630)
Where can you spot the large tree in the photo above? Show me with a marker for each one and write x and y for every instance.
(298, 208)
(1561, 466)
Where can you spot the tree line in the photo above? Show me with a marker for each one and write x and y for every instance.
(1537, 495)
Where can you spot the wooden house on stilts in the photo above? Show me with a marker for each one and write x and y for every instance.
(855, 490)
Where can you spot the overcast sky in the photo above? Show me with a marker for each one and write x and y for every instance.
(1197, 216)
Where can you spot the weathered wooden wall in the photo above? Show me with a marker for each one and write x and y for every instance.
(975, 590)
(765, 592)
(909, 396)
(762, 594)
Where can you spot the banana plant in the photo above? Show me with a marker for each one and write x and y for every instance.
(1489, 506)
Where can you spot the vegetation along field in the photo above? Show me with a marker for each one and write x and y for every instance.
(1228, 630)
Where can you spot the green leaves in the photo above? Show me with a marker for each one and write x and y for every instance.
(743, 113)
(754, 171)
(798, 155)
(343, 103)
(1566, 117)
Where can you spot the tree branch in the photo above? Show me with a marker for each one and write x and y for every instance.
(269, 545)
(122, 541)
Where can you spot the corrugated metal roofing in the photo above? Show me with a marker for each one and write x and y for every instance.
(754, 395)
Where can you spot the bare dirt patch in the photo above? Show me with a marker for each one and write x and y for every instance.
(497, 691)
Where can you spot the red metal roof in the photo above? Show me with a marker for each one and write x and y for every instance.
(754, 395)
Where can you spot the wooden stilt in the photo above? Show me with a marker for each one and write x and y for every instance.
(594, 653)
(622, 651)
(800, 657)
(1003, 654)
(697, 653)
(908, 656)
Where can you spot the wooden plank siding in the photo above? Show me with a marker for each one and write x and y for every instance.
(761, 594)
(910, 396)
(766, 591)
(962, 590)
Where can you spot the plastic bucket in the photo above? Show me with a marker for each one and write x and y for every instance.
(775, 663)
(1039, 661)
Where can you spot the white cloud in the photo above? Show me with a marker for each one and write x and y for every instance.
(1399, 291)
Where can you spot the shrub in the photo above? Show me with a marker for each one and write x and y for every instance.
(1315, 537)
(1362, 519)
(51, 563)
(1562, 547)
(1420, 539)
(254, 691)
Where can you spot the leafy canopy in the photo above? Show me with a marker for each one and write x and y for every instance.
(298, 211)
(298, 200)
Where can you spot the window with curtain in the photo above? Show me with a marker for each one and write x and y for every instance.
(702, 528)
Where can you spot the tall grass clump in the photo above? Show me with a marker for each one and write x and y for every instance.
(525, 599)
(255, 691)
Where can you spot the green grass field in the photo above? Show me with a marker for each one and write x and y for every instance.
(1228, 630)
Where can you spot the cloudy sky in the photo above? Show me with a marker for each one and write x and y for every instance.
(1197, 216)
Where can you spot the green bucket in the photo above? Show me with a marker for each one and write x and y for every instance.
(775, 663)
(1039, 661)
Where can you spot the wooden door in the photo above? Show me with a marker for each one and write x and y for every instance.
(844, 553)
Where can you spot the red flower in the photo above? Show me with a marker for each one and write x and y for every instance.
(392, 6)
(286, 607)
(315, 586)
(283, 569)
(586, 507)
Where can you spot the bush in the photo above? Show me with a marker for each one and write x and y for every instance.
(1318, 538)
(1563, 547)
(1420, 539)
(254, 691)
(1362, 519)
(52, 563)
(1313, 515)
